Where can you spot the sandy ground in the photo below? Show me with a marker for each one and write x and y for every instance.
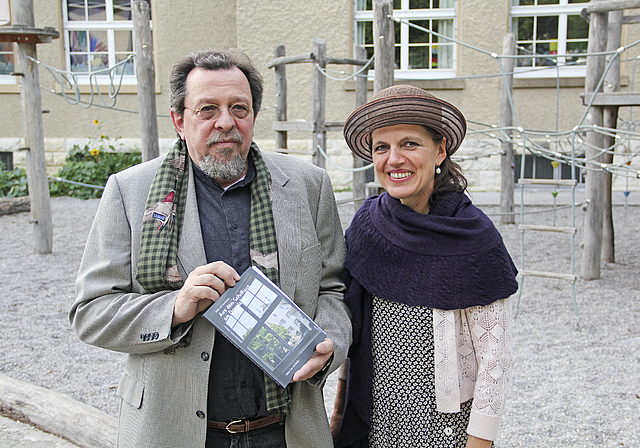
(572, 387)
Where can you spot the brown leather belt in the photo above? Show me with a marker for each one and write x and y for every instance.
(238, 426)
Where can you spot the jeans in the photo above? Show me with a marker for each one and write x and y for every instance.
(271, 436)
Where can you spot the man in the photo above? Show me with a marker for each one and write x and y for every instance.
(171, 235)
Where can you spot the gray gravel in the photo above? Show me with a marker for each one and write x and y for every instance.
(572, 388)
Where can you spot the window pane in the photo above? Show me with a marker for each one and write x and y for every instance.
(443, 56)
(522, 2)
(523, 28)
(76, 10)
(78, 41)
(364, 5)
(397, 4)
(79, 63)
(525, 49)
(122, 10)
(98, 41)
(128, 68)
(416, 35)
(548, 2)
(444, 27)
(7, 63)
(99, 62)
(547, 28)
(123, 41)
(576, 47)
(578, 1)
(96, 10)
(419, 57)
(420, 4)
(365, 33)
(577, 28)
(443, 3)
(546, 48)
(397, 58)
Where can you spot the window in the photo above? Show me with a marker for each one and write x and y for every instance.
(7, 63)
(553, 33)
(419, 54)
(98, 35)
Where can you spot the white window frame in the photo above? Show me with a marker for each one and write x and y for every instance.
(562, 10)
(412, 14)
(109, 25)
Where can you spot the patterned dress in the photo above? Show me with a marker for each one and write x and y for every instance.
(404, 412)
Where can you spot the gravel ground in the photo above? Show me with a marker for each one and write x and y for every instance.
(572, 387)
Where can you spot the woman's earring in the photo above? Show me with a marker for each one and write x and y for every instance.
(438, 170)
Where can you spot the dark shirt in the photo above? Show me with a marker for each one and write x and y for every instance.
(236, 384)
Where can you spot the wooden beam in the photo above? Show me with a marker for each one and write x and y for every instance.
(506, 121)
(383, 44)
(630, 19)
(304, 57)
(293, 126)
(612, 99)
(28, 35)
(346, 61)
(611, 5)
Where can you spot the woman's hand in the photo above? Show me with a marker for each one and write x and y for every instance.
(474, 442)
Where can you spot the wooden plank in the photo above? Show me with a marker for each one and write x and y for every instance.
(319, 99)
(9, 206)
(28, 35)
(293, 126)
(304, 57)
(541, 228)
(57, 414)
(630, 20)
(383, 44)
(359, 177)
(619, 99)
(563, 182)
(569, 277)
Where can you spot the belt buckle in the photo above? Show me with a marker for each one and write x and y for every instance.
(228, 427)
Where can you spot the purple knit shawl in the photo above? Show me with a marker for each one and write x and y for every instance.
(451, 258)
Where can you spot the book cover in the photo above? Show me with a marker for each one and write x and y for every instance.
(266, 325)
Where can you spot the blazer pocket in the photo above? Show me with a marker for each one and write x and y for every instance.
(130, 390)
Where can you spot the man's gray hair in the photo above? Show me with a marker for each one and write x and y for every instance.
(213, 60)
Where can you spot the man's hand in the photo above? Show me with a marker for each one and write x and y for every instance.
(323, 352)
(203, 286)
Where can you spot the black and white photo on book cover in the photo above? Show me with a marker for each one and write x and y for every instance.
(266, 325)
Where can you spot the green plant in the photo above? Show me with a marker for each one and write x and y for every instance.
(92, 164)
(13, 183)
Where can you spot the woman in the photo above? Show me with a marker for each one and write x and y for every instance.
(429, 279)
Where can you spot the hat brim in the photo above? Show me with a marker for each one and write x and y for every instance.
(430, 112)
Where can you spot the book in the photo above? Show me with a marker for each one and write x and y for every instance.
(266, 325)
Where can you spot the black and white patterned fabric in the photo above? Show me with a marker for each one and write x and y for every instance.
(404, 412)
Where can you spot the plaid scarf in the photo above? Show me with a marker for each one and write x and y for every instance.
(162, 225)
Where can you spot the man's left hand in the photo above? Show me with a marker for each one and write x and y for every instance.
(318, 360)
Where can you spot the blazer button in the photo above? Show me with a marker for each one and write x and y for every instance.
(200, 414)
(204, 356)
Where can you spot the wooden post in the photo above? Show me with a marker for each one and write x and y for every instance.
(319, 89)
(360, 177)
(31, 100)
(281, 98)
(595, 182)
(506, 121)
(146, 78)
(610, 120)
(383, 44)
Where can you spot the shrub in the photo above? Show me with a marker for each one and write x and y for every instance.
(13, 183)
(92, 164)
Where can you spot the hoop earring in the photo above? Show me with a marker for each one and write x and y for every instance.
(438, 170)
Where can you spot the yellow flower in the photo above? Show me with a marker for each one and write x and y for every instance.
(94, 152)
(96, 122)
(101, 135)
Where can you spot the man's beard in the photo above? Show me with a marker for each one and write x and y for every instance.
(225, 165)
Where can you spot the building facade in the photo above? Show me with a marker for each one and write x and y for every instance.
(447, 47)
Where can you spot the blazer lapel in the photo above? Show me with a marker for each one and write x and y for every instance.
(191, 248)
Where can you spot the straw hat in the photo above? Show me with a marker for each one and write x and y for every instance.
(403, 104)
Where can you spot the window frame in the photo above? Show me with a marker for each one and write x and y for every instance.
(110, 26)
(562, 10)
(404, 72)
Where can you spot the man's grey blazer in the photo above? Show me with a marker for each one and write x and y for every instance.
(164, 385)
